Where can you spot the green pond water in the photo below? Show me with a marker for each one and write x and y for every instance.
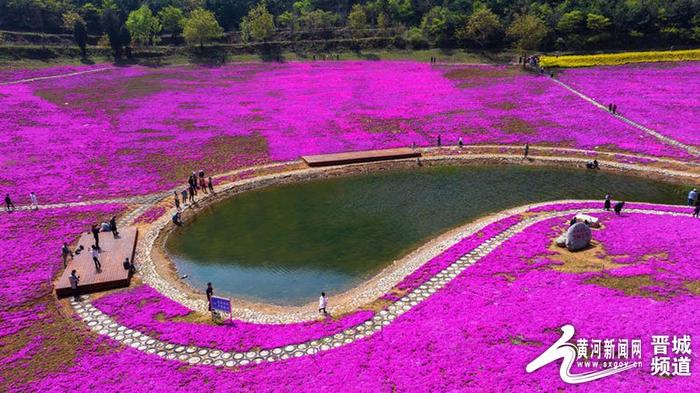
(285, 244)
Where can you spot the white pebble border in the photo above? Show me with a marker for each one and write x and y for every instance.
(196, 355)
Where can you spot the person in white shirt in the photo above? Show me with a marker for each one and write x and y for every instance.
(693, 197)
(323, 303)
(35, 204)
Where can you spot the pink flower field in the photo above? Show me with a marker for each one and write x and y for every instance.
(662, 96)
(480, 330)
(133, 131)
(138, 130)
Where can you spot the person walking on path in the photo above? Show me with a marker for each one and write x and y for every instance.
(210, 293)
(323, 303)
(210, 184)
(96, 234)
(203, 184)
(9, 206)
(696, 211)
(95, 258)
(527, 150)
(618, 207)
(460, 142)
(74, 279)
(65, 253)
(184, 197)
(439, 140)
(35, 204)
(113, 226)
(192, 193)
(177, 202)
(693, 197)
(608, 202)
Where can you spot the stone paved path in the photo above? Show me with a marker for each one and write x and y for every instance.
(150, 199)
(663, 138)
(103, 324)
(40, 78)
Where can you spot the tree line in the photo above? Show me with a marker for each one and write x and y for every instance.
(566, 25)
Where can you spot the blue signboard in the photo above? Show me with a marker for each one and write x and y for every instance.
(221, 304)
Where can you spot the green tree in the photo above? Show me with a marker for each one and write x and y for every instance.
(382, 21)
(143, 25)
(528, 31)
(111, 27)
(415, 38)
(439, 24)
(171, 18)
(91, 15)
(318, 20)
(258, 25)
(599, 27)
(571, 22)
(357, 19)
(80, 36)
(482, 27)
(201, 26)
(69, 19)
(125, 39)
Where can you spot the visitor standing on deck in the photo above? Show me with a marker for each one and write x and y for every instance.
(113, 226)
(96, 235)
(74, 279)
(323, 303)
(95, 258)
(210, 293)
(65, 253)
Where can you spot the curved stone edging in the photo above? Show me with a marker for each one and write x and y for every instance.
(360, 295)
(104, 325)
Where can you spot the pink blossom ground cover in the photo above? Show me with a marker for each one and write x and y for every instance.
(150, 215)
(477, 333)
(663, 97)
(11, 74)
(137, 130)
(147, 310)
(31, 256)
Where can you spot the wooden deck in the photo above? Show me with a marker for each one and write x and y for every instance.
(113, 275)
(360, 156)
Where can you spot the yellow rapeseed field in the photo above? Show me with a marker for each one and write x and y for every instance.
(619, 58)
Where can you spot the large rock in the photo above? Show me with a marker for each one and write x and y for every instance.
(593, 222)
(578, 237)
